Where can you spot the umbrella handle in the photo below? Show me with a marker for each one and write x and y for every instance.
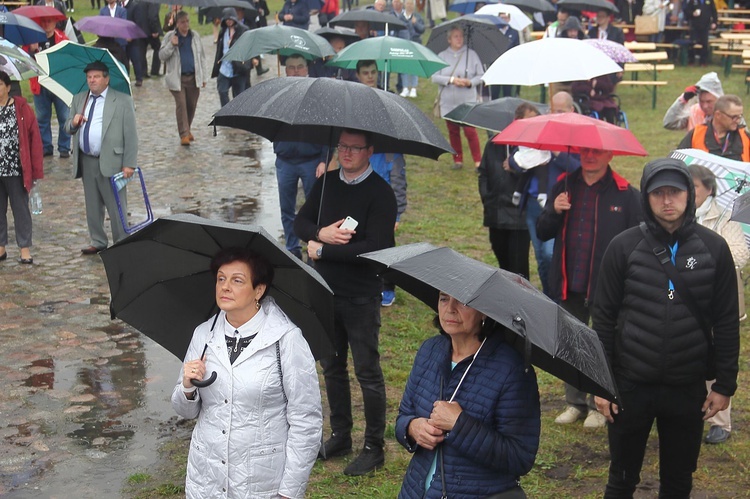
(206, 382)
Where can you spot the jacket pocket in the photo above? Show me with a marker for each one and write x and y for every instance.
(119, 150)
(265, 468)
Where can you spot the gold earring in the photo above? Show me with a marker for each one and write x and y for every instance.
(257, 304)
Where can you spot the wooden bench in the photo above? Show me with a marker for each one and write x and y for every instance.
(652, 62)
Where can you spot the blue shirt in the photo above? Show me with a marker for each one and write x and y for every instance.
(185, 45)
(226, 66)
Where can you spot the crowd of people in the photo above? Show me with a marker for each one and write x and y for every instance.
(470, 411)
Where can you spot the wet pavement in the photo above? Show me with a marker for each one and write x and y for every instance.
(85, 401)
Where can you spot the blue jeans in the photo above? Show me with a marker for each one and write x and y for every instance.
(238, 84)
(542, 249)
(288, 176)
(356, 326)
(43, 107)
(409, 81)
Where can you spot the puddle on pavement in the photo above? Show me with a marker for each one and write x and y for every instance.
(114, 409)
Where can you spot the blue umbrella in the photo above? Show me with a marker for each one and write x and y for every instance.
(20, 30)
(468, 6)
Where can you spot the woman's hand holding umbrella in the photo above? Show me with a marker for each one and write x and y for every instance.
(194, 370)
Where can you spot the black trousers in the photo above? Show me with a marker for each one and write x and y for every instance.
(511, 248)
(679, 421)
(356, 326)
(155, 44)
(699, 34)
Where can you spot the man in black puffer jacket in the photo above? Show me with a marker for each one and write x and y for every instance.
(653, 338)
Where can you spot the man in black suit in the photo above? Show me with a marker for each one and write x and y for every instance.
(604, 30)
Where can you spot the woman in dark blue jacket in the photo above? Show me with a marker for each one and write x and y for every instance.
(470, 411)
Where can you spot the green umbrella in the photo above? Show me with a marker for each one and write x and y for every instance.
(392, 54)
(16, 63)
(279, 40)
(64, 64)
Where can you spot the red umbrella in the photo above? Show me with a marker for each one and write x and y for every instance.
(568, 132)
(37, 12)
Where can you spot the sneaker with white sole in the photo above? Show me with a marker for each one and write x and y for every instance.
(413, 93)
(388, 298)
(569, 415)
(595, 419)
(404, 92)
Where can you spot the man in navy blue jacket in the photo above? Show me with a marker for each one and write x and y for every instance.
(296, 161)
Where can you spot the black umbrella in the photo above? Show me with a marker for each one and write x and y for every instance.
(378, 20)
(481, 36)
(593, 5)
(20, 30)
(246, 5)
(330, 33)
(532, 5)
(314, 110)
(548, 336)
(161, 283)
(493, 115)
(741, 209)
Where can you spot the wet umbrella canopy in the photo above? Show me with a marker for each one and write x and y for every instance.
(493, 115)
(20, 30)
(161, 283)
(16, 63)
(281, 40)
(548, 336)
(377, 20)
(481, 36)
(391, 54)
(316, 109)
(568, 132)
(110, 26)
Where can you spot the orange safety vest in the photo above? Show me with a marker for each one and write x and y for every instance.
(699, 141)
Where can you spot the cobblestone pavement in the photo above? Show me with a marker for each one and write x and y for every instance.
(86, 399)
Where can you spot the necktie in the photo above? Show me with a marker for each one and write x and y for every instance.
(87, 126)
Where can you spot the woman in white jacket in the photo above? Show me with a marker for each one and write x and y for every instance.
(709, 214)
(260, 423)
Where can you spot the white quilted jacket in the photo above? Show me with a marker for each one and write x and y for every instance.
(247, 442)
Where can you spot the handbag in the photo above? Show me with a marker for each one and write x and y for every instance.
(646, 25)
(436, 105)
(663, 256)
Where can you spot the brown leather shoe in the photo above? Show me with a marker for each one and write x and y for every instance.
(91, 250)
(190, 136)
(185, 141)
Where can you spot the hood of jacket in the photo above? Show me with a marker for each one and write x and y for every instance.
(709, 82)
(649, 172)
(230, 13)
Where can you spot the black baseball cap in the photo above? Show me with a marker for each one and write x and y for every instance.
(667, 178)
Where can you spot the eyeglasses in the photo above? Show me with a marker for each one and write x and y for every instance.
(736, 117)
(352, 149)
(296, 68)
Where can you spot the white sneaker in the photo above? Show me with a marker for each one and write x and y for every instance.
(413, 93)
(569, 415)
(595, 419)
(404, 92)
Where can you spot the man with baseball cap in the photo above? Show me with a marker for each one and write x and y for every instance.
(104, 142)
(666, 312)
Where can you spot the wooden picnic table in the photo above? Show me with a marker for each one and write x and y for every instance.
(741, 12)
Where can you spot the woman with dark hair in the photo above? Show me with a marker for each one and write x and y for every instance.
(470, 411)
(21, 158)
(260, 423)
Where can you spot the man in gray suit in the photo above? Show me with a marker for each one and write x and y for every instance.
(105, 142)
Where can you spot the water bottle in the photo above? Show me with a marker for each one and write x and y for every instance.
(35, 198)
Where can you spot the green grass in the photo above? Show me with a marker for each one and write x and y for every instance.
(445, 209)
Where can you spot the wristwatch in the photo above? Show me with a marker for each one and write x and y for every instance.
(319, 252)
